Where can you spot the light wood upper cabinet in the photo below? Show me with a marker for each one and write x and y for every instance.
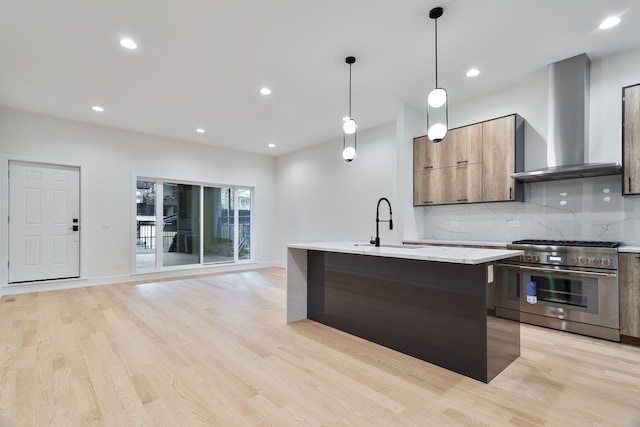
(431, 187)
(424, 154)
(498, 158)
(631, 140)
(464, 145)
(453, 184)
(467, 180)
(472, 164)
(461, 145)
(629, 267)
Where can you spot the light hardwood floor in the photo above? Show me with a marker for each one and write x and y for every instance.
(216, 351)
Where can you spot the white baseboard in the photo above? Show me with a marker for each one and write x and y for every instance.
(54, 285)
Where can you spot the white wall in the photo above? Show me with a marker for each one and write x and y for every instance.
(608, 76)
(529, 100)
(111, 159)
(410, 123)
(582, 209)
(313, 195)
(322, 198)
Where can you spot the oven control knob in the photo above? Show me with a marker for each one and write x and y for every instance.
(597, 261)
(574, 260)
(584, 260)
(528, 257)
(536, 258)
(608, 262)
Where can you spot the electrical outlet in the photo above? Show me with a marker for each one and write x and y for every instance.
(454, 224)
(514, 223)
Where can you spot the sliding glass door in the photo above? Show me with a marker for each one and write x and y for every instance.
(200, 224)
(244, 223)
(181, 224)
(218, 225)
(146, 224)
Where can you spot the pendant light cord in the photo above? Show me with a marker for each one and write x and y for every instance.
(436, 52)
(350, 91)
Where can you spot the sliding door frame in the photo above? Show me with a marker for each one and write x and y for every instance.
(159, 254)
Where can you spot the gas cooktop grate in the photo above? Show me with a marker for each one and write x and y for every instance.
(574, 243)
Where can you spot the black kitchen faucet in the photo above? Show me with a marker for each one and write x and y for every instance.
(378, 220)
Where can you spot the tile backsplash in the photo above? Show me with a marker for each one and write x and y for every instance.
(574, 209)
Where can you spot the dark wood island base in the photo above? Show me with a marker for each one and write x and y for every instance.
(434, 311)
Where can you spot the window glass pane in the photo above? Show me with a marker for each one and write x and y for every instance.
(181, 224)
(145, 224)
(218, 225)
(244, 223)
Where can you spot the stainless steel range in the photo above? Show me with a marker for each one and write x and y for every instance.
(567, 285)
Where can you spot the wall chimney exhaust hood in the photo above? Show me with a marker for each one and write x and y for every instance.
(568, 124)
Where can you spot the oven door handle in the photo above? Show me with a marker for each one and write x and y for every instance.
(508, 265)
(575, 272)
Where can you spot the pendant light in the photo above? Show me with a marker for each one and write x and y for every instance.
(437, 103)
(349, 127)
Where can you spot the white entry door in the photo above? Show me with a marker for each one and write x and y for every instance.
(44, 222)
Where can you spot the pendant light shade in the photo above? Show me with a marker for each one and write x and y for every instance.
(349, 127)
(437, 102)
(437, 98)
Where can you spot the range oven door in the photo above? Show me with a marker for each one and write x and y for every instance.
(584, 296)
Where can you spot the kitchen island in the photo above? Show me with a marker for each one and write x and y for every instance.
(427, 302)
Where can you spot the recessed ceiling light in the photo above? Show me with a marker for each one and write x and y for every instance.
(272, 145)
(265, 91)
(200, 130)
(610, 22)
(128, 43)
(473, 72)
(97, 108)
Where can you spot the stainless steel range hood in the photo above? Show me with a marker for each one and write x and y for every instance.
(568, 124)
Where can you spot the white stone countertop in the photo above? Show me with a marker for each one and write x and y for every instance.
(456, 242)
(632, 249)
(425, 253)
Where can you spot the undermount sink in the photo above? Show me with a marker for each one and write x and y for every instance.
(389, 245)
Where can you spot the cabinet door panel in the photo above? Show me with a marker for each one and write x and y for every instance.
(467, 183)
(464, 145)
(433, 187)
(423, 154)
(458, 184)
(498, 159)
(631, 140)
(630, 294)
(461, 145)
(429, 155)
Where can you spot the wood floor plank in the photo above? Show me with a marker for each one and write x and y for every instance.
(214, 350)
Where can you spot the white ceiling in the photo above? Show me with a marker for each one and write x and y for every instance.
(201, 63)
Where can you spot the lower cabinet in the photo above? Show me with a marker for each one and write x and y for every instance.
(456, 184)
(629, 294)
